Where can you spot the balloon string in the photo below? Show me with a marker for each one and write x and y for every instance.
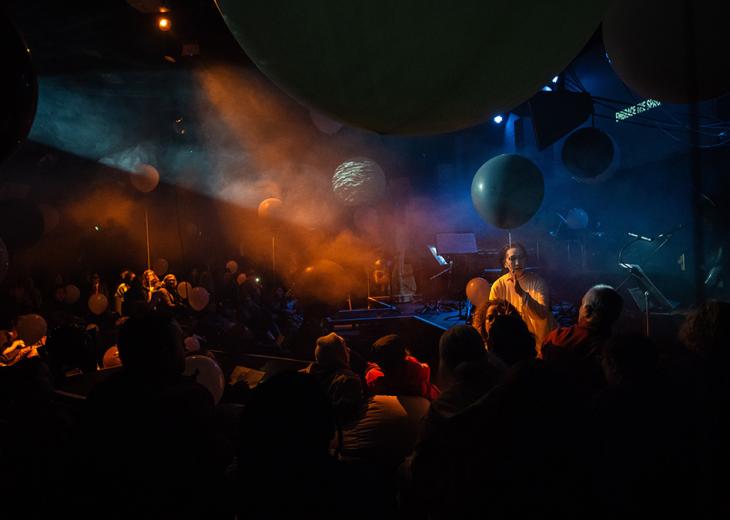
(147, 233)
(273, 258)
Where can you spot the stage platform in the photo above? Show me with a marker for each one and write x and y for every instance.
(420, 326)
(443, 319)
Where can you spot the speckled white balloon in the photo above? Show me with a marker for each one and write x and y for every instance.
(358, 182)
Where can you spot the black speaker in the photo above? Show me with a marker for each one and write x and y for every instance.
(555, 114)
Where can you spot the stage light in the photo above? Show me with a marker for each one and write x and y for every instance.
(555, 79)
(498, 118)
(164, 23)
(97, 227)
(546, 88)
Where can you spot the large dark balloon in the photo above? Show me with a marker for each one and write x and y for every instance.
(21, 223)
(648, 43)
(507, 190)
(587, 153)
(408, 66)
(18, 89)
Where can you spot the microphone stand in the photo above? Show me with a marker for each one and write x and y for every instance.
(666, 237)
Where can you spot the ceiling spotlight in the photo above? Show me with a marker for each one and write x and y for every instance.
(555, 79)
(164, 23)
(547, 88)
(498, 118)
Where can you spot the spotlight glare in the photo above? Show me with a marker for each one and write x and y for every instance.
(555, 79)
(547, 89)
(163, 23)
(498, 118)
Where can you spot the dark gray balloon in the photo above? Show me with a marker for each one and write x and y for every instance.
(587, 153)
(507, 190)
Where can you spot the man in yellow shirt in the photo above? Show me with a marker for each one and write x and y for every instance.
(526, 291)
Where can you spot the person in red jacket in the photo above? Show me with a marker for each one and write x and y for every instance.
(578, 350)
(395, 372)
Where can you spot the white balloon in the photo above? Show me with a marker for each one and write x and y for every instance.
(183, 289)
(271, 208)
(72, 294)
(477, 290)
(31, 328)
(145, 178)
(207, 373)
(577, 218)
(324, 124)
(232, 266)
(198, 298)
(98, 303)
(192, 344)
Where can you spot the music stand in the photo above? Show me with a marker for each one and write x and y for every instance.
(647, 296)
(456, 244)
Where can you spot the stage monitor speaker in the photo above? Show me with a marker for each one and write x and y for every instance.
(555, 114)
(421, 336)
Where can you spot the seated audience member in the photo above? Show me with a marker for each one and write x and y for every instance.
(135, 299)
(284, 464)
(578, 350)
(96, 286)
(599, 310)
(706, 333)
(125, 283)
(509, 342)
(395, 372)
(34, 432)
(166, 296)
(168, 460)
(56, 310)
(151, 283)
(70, 351)
(642, 436)
(485, 314)
(331, 369)
(514, 453)
(466, 374)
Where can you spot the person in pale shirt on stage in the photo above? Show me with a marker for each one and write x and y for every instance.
(526, 291)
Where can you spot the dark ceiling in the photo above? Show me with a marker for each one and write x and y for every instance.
(85, 35)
